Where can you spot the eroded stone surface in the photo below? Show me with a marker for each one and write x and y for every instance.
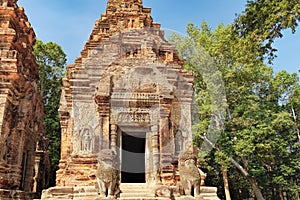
(21, 110)
(128, 80)
(128, 83)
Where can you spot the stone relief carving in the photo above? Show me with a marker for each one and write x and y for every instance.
(179, 142)
(126, 95)
(135, 115)
(87, 140)
(138, 115)
(3, 147)
(144, 77)
(76, 141)
(185, 125)
(83, 136)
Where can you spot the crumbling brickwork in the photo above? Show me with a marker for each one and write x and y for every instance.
(21, 106)
(127, 95)
(128, 80)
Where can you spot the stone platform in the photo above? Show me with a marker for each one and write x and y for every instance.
(14, 195)
(130, 191)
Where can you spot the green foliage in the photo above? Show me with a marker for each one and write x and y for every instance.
(258, 131)
(51, 60)
(266, 19)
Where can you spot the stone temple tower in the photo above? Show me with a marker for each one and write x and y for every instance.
(127, 92)
(126, 97)
(22, 149)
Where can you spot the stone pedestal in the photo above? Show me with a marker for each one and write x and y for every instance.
(14, 194)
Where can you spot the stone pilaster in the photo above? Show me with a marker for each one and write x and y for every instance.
(113, 134)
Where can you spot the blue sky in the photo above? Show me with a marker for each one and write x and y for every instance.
(70, 22)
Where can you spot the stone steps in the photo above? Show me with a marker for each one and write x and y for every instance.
(130, 191)
(142, 198)
(136, 191)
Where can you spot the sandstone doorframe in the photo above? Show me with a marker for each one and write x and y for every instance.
(151, 144)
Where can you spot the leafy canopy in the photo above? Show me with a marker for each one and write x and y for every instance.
(266, 19)
(52, 61)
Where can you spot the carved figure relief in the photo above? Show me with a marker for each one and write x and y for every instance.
(178, 142)
(83, 136)
(137, 115)
(76, 143)
(87, 140)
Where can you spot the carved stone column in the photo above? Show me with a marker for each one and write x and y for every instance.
(103, 108)
(164, 129)
(166, 144)
(113, 134)
(155, 150)
(105, 130)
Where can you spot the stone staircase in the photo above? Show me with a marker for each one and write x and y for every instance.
(130, 191)
(136, 191)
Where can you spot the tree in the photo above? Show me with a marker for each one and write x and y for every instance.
(257, 136)
(266, 20)
(51, 60)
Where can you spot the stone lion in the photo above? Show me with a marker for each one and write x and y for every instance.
(107, 174)
(190, 178)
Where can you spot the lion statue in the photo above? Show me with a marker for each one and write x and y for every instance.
(190, 177)
(107, 174)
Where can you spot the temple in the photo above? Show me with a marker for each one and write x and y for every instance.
(125, 114)
(24, 163)
(127, 92)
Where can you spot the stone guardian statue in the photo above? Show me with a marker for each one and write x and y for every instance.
(190, 178)
(107, 174)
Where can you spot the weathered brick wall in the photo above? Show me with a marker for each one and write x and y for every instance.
(21, 106)
(125, 39)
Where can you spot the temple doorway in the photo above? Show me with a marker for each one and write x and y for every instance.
(133, 158)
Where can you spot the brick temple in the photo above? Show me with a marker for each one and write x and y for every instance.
(127, 92)
(125, 106)
(23, 160)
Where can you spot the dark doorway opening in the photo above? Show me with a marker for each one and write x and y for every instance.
(133, 158)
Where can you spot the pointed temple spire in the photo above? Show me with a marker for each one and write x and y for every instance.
(8, 3)
(123, 2)
(121, 15)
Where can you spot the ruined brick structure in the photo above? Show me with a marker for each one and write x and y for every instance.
(128, 81)
(127, 94)
(23, 160)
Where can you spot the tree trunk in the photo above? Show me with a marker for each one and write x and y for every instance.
(295, 119)
(226, 184)
(252, 181)
(243, 171)
(280, 193)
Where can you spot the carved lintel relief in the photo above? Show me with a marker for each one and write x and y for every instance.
(135, 115)
(136, 96)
